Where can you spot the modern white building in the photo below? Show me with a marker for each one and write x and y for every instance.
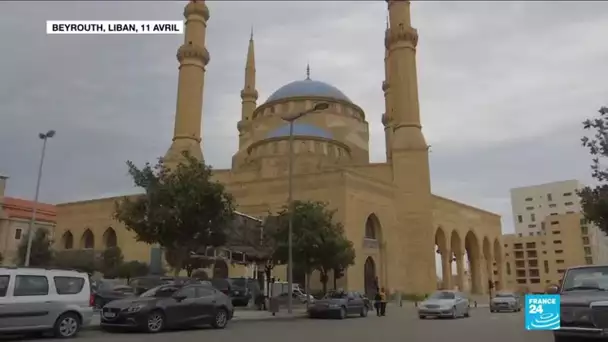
(532, 204)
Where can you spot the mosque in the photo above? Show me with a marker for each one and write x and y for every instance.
(396, 224)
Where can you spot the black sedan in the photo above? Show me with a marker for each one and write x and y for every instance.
(169, 306)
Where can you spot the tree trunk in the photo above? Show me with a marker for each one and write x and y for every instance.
(335, 280)
(324, 279)
(307, 290)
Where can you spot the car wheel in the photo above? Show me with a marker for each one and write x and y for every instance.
(67, 325)
(342, 314)
(220, 320)
(422, 316)
(155, 322)
(454, 313)
(467, 314)
(364, 311)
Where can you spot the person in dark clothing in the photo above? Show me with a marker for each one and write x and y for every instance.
(378, 303)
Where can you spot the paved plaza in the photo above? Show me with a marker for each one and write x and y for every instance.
(401, 324)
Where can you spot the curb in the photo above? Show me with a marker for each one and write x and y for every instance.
(97, 327)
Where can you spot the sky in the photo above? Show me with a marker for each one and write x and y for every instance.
(504, 87)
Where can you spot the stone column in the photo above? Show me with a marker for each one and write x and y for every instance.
(482, 279)
(446, 269)
(460, 270)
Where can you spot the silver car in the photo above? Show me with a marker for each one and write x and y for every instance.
(505, 301)
(450, 304)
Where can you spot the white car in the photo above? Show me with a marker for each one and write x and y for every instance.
(444, 304)
(45, 300)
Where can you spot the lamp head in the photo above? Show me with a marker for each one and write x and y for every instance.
(50, 134)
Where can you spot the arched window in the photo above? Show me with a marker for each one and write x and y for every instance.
(109, 238)
(508, 269)
(88, 240)
(370, 228)
(67, 240)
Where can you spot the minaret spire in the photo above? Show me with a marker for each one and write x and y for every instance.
(193, 57)
(249, 94)
(308, 71)
(409, 151)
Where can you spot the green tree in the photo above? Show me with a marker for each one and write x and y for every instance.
(111, 260)
(81, 260)
(594, 199)
(132, 269)
(318, 241)
(41, 254)
(182, 208)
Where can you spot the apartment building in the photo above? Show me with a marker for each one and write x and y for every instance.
(535, 261)
(531, 204)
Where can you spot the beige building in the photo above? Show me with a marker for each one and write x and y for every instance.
(15, 217)
(387, 208)
(533, 262)
(531, 204)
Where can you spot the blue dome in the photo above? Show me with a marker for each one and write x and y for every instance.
(300, 129)
(310, 88)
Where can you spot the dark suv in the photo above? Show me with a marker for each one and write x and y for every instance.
(584, 304)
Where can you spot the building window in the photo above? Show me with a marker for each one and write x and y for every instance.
(532, 254)
(587, 250)
(559, 251)
(549, 197)
(531, 234)
(542, 225)
(533, 264)
(521, 273)
(508, 269)
(518, 246)
(553, 214)
(546, 266)
(530, 245)
(569, 203)
(18, 233)
(537, 233)
(529, 208)
(521, 281)
(520, 234)
(520, 219)
(519, 255)
(552, 205)
(589, 260)
(553, 223)
(520, 264)
(531, 226)
(557, 242)
(585, 240)
(583, 221)
(561, 271)
(567, 194)
(559, 261)
(528, 199)
(535, 281)
(532, 217)
(556, 232)
(584, 230)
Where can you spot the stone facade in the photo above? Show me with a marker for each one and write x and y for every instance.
(387, 208)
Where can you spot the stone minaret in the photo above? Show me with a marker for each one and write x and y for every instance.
(387, 121)
(249, 94)
(409, 155)
(193, 58)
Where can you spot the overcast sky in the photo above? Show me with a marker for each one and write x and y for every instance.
(503, 86)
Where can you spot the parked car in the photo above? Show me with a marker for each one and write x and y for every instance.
(505, 301)
(143, 284)
(41, 300)
(450, 304)
(107, 290)
(223, 285)
(583, 304)
(242, 290)
(169, 306)
(339, 304)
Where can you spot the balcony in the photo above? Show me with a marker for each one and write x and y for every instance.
(371, 243)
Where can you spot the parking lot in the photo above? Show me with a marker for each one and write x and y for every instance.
(400, 324)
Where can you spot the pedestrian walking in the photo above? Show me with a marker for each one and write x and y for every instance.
(382, 302)
(378, 303)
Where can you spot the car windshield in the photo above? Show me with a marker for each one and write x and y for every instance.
(238, 282)
(160, 291)
(505, 295)
(442, 295)
(336, 295)
(586, 278)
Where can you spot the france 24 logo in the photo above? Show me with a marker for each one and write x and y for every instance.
(542, 312)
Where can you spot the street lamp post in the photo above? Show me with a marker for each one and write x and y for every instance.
(30, 231)
(291, 119)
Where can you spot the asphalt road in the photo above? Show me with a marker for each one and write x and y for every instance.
(400, 324)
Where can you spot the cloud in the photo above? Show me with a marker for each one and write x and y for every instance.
(503, 87)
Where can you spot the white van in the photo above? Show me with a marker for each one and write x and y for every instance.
(45, 300)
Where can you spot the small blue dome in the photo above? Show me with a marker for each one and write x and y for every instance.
(300, 129)
(310, 88)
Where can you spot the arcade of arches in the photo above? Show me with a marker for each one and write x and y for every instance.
(484, 256)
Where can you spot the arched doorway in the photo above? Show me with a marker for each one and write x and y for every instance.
(370, 278)
(220, 269)
(109, 238)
